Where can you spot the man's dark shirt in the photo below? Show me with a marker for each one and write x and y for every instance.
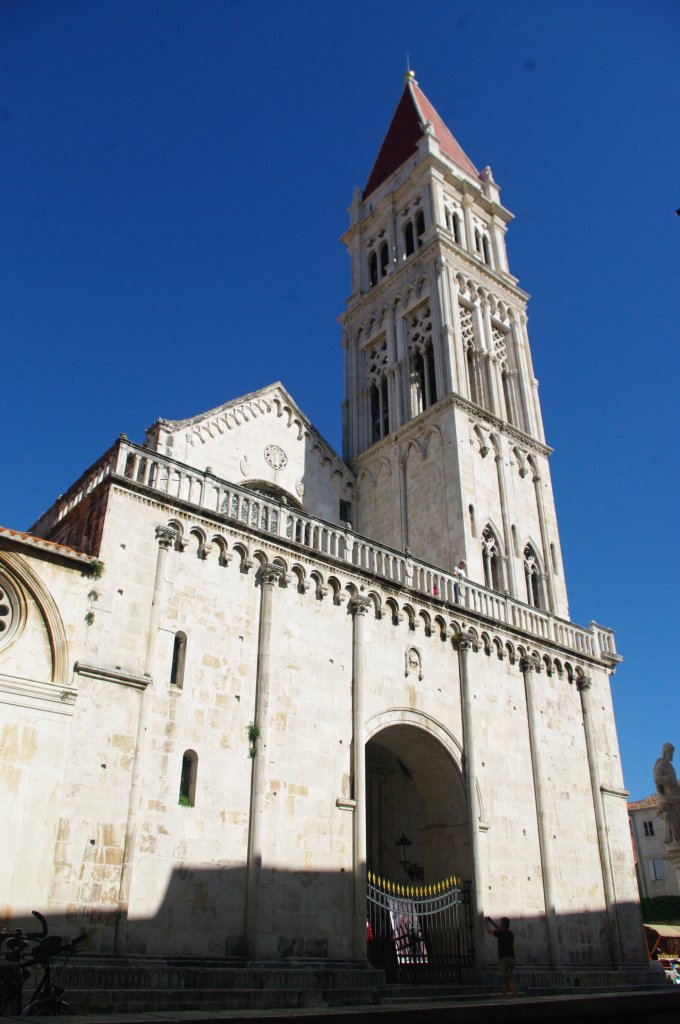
(506, 942)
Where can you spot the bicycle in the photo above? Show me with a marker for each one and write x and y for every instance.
(17, 960)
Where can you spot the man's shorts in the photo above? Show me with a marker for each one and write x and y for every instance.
(507, 966)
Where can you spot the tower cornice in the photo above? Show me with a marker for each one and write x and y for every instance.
(414, 428)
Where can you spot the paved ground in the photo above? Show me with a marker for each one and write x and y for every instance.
(657, 1007)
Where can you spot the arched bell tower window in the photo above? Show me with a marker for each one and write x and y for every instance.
(384, 259)
(491, 560)
(380, 417)
(420, 227)
(532, 577)
(422, 371)
(409, 243)
(376, 367)
(373, 268)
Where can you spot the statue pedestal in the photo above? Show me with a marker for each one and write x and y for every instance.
(673, 855)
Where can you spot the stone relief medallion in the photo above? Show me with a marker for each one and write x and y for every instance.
(300, 489)
(413, 662)
(245, 466)
(275, 456)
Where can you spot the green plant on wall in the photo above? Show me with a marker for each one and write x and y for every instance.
(253, 731)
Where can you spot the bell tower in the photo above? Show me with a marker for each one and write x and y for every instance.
(441, 416)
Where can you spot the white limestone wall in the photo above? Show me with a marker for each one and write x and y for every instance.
(37, 697)
(187, 887)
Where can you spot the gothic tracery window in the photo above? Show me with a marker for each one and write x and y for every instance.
(532, 578)
(491, 560)
(378, 391)
(467, 330)
(423, 377)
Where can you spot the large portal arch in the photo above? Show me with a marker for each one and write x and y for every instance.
(415, 788)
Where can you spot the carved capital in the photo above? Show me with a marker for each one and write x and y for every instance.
(166, 536)
(464, 642)
(359, 604)
(583, 683)
(529, 664)
(272, 574)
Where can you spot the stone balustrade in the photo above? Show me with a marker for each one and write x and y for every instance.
(239, 505)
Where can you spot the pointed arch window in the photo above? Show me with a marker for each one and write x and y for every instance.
(384, 259)
(423, 375)
(491, 560)
(380, 415)
(532, 578)
(420, 227)
(409, 243)
(373, 268)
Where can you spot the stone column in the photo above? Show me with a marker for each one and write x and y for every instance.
(440, 329)
(507, 536)
(583, 685)
(469, 239)
(270, 577)
(166, 538)
(547, 560)
(463, 645)
(359, 606)
(538, 773)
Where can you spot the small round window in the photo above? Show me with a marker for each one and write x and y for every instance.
(9, 611)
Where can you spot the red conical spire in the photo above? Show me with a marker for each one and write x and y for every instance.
(406, 129)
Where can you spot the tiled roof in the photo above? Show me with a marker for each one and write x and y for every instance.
(42, 544)
(648, 804)
(406, 128)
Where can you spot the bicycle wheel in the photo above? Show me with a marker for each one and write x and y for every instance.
(48, 1008)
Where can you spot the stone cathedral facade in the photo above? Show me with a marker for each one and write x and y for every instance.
(236, 668)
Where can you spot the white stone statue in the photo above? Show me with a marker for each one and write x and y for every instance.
(668, 789)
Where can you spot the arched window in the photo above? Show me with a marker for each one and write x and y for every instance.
(187, 783)
(420, 226)
(380, 415)
(457, 235)
(532, 577)
(486, 253)
(491, 559)
(473, 525)
(472, 374)
(431, 376)
(508, 395)
(409, 245)
(373, 268)
(417, 383)
(384, 259)
(179, 653)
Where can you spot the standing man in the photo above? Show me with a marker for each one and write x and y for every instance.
(506, 953)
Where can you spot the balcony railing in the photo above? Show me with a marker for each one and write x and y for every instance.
(239, 505)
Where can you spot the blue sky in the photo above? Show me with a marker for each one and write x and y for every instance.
(175, 177)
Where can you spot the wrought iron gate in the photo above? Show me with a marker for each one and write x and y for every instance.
(419, 933)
